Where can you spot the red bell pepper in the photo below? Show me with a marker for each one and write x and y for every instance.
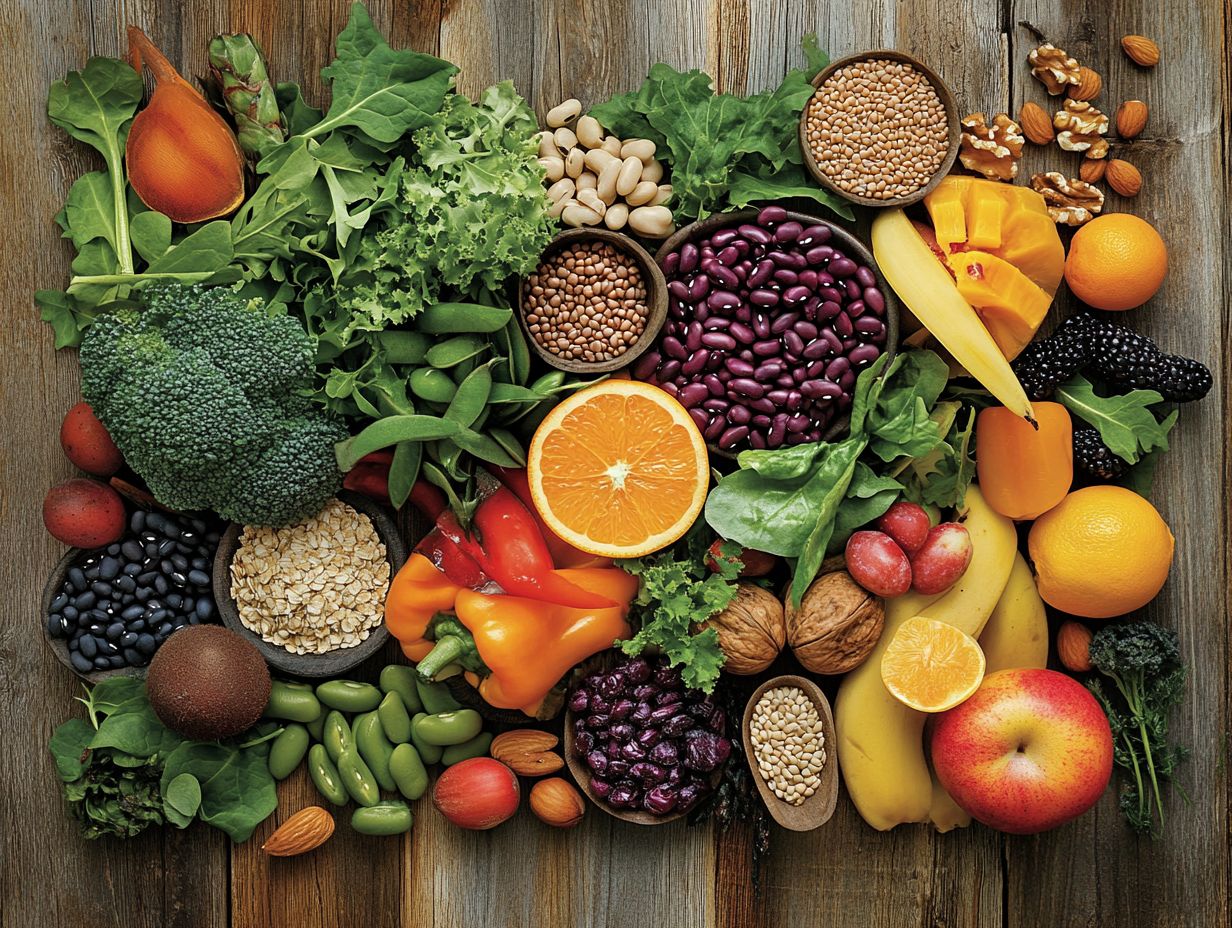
(370, 476)
(563, 553)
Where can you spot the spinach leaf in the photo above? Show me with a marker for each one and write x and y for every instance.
(237, 791)
(834, 475)
(182, 799)
(70, 746)
(132, 727)
(1125, 423)
(869, 495)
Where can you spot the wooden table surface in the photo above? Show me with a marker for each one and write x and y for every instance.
(1089, 873)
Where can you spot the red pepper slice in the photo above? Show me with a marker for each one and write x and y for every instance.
(370, 476)
(563, 553)
(427, 499)
(451, 560)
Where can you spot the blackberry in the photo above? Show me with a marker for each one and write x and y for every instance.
(1128, 359)
(1044, 365)
(1096, 459)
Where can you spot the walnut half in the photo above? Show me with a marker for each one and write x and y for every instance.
(1080, 127)
(1054, 68)
(1070, 202)
(991, 150)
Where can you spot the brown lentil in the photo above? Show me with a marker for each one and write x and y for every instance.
(586, 302)
(877, 129)
(788, 743)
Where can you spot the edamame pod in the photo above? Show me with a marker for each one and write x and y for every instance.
(357, 778)
(432, 385)
(287, 750)
(335, 734)
(461, 318)
(374, 748)
(435, 697)
(391, 817)
(446, 728)
(395, 721)
(408, 771)
(428, 753)
(476, 747)
(294, 702)
(396, 678)
(325, 776)
(349, 696)
(454, 351)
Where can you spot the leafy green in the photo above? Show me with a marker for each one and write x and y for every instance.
(181, 799)
(236, 791)
(940, 477)
(1125, 423)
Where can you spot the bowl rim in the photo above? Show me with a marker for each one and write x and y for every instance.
(330, 663)
(953, 129)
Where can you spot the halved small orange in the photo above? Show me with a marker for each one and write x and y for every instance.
(618, 469)
(932, 666)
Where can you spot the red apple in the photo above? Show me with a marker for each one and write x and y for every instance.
(942, 559)
(877, 563)
(907, 523)
(1029, 751)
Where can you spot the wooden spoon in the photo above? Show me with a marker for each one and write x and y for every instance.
(816, 810)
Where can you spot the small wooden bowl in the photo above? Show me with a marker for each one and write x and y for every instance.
(817, 809)
(656, 301)
(331, 663)
(953, 130)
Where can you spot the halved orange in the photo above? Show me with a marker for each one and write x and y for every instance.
(618, 469)
(932, 666)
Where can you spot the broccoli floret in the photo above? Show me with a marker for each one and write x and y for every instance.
(203, 392)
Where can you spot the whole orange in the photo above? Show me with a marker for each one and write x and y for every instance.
(1117, 261)
(1101, 552)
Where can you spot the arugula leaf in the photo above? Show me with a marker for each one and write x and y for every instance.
(1125, 423)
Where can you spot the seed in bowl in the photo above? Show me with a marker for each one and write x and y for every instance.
(586, 302)
(315, 586)
(788, 743)
(877, 129)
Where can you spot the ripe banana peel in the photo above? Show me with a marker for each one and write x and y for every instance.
(880, 740)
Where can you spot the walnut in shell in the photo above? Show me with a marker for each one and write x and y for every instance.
(1054, 68)
(837, 625)
(1080, 125)
(1070, 202)
(751, 629)
(991, 150)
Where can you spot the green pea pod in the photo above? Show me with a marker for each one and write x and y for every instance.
(534, 417)
(446, 728)
(287, 750)
(428, 753)
(509, 442)
(517, 352)
(476, 747)
(374, 748)
(349, 695)
(292, 701)
(485, 448)
(325, 776)
(391, 817)
(432, 385)
(547, 383)
(400, 679)
(316, 728)
(404, 471)
(395, 721)
(454, 351)
(408, 771)
(336, 734)
(390, 431)
(435, 697)
(462, 318)
(402, 347)
(512, 394)
(357, 778)
(472, 396)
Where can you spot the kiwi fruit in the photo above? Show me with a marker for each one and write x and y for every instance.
(206, 683)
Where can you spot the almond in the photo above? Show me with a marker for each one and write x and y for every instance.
(1141, 50)
(1123, 177)
(1074, 646)
(1131, 118)
(527, 752)
(1088, 87)
(1092, 170)
(1036, 125)
(557, 803)
(304, 831)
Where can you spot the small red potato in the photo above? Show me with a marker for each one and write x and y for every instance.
(84, 513)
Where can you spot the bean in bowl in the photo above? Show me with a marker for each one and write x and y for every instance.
(769, 323)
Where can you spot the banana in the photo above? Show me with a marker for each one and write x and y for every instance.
(924, 284)
(880, 740)
(1017, 631)
(944, 812)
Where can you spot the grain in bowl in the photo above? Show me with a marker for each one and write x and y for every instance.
(788, 743)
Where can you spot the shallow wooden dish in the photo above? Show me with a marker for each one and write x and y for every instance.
(656, 301)
(817, 809)
(331, 663)
(953, 129)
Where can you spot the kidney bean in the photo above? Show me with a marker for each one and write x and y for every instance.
(728, 256)
(701, 312)
(755, 234)
(757, 440)
(696, 364)
(763, 297)
(796, 438)
(679, 289)
(768, 370)
(847, 381)
(700, 417)
(821, 390)
(778, 430)
(766, 348)
(720, 340)
(692, 395)
(844, 402)
(870, 325)
(814, 235)
(688, 258)
(854, 309)
(796, 294)
(714, 429)
(762, 421)
(786, 276)
(800, 374)
(795, 400)
(677, 310)
(788, 232)
(806, 330)
(720, 300)
(671, 264)
(842, 266)
(836, 368)
(787, 259)
(770, 215)
(819, 254)
(793, 342)
(715, 404)
(669, 371)
(742, 333)
(715, 322)
(739, 367)
(761, 325)
(714, 385)
(669, 386)
(874, 300)
(835, 343)
(784, 382)
(743, 248)
(723, 276)
(706, 253)
(743, 314)
(853, 289)
(784, 322)
(733, 436)
(865, 276)
(747, 386)
(693, 337)
(645, 367)
(816, 349)
(849, 343)
(699, 286)
(843, 325)
(830, 295)
(739, 415)
(724, 237)
(674, 348)
(777, 397)
(763, 406)
(724, 375)
(808, 279)
(811, 306)
(864, 354)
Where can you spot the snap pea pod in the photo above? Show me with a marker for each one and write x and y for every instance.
(486, 449)
(408, 771)
(349, 696)
(446, 728)
(395, 721)
(509, 442)
(453, 351)
(287, 750)
(435, 697)
(336, 734)
(403, 347)
(294, 702)
(357, 778)
(325, 776)
(404, 471)
(476, 747)
(471, 397)
(390, 431)
(396, 678)
(374, 748)
(516, 351)
(462, 318)
(428, 753)
(432, 385)
(390, 817)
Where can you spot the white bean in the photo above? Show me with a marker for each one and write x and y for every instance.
(611, 145)
(578, 214)
(642, 194)
(587, 181)
(597, 159)
(651, 221)
(562, 189)
(589, 197)
(663, 195)
(575, 162)
(653, 171)
(554, 168)
(616, 216)
(607, 181)
(565, 113)
(643, 149)
(630, 174)
(560, 205)
(589, 132)
(565, 138)
(547, 145)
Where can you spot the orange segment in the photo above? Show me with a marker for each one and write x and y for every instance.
(931, 666)
(619, 469)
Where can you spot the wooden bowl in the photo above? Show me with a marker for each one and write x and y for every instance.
(817, 809)
(953, 130)
(656, 301)
(331, 663)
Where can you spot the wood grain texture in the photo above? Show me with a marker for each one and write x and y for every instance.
(605, 873)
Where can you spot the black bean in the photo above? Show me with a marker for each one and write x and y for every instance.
(116, 662)
(156, 613)
(143, 594)
(133, 569)
(74, 643)
(180, 562)
(80, 662)
(114, 631)
(146, 644)
(136, 625)
(59, 602)
(128, 639)
(101, 588)
(77, 578)
(179, 621)
(125, 584)
(108, 569)
(200, 563)
(136, 521)
(132, 612)
(131, 656)
(150, 549)
(161, 585)
(84, 620)
(156, 521)
(91, 572)
(174, 600)
(86, 600)
(96, 629)
(178, 579)
(165, 629)
(55, 625)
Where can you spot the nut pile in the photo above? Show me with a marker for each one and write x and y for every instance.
(788, 743)
(586, 302)
(315, 586)
(877, 129)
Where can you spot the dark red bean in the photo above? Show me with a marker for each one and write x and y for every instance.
(796, 294)
(793, 342)
(746, 354)
(688, 258)
(870, 325)
(842, 325)
(865, 276)
(768, 370)
(762, 406)
(849, 343)
(742, 333)
(837, 368)
(720, 300)
(788, 231)
(646, 365)
(720, 340)
(770, 215)
(716, 427)
(743, 314)
(819, 254)
(692, 395)
(699, 286)
(757, 440)
(821, 389)
(739, 415)
(671, 264)
(785, 381)
(786, 276)
(728, 256)
(669, 371)
(830, 294)
(807, 279)
(864, 354)
(874, 300)
(723, 237)
(679, 289)
(777, 397)
(678, 310)
(795, 399)
(842, 266)
(714, 385)
(761, 325)
(778, 431)
(824, 279)
(810, 307)
(716, 404)
(696, 364)
(747, 387)
(724, 375)
(705, 253)
(794, 438)
(673, 347)
(723, 276)
(767, 348)
(844, 402)
(784, 322)
(814, 235)
(763, 420)
(739, 367)
(853, 289)
(743, 247)
(669, 387)
(854, 309)
(799, 375)
(816, 369)
(716, 322)
(847, 381)
(814, 434)
(733, 436)
(762, 297)
(755, 234)
(798, 423)
(693, 337)
(761, 273)
(699, 416)
(701, 312)
(806, 330)
(788, 259)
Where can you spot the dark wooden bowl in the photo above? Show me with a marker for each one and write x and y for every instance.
(59, 646)
(953, 129)
(817, 809)
(656, 301)
(855, 249)
(331, 663)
